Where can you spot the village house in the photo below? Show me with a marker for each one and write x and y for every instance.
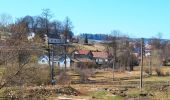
(31, 36)
(80, 57)
(82, 54)
(60, 61)
(148, 48)
(100, 57)
(43, 59)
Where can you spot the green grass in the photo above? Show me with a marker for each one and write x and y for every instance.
(104, 95)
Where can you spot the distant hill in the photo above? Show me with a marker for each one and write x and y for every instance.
(147, 40)
(94, 36)
(105, 36)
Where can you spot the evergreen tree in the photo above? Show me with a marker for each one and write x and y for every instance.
(86, 40)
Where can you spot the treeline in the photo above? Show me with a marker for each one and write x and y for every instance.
(18, 55)
(41, 25)
(94, 36)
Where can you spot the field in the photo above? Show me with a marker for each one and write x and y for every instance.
(126, 86)
(101, 86)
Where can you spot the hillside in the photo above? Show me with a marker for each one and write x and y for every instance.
(94, 47)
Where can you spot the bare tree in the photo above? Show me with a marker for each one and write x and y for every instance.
(67, 28)
(5, 19)
(47, 16)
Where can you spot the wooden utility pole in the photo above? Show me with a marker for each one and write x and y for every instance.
(114, 59)
(49, 61)
(113, 68)
(52, 67)
(65, 53)
(150, 68)
(65, 57)
(141, 67)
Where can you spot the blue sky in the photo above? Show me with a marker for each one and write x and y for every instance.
(136, 18)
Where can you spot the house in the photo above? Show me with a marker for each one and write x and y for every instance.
(43, 59)
(82, 54)
(61, 61)
(78, 62)
(80, 57)
(58, 60)
(100, 57)
(50, 35)
(31, 36)
(148, 48)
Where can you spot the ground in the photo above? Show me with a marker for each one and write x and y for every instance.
(101, 86)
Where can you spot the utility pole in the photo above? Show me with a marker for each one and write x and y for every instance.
(150, 69)
(114, 56)
(52, 67)
(65, 53)
(113, 68)
(141, 67)
(51, 62)
(49, 56)
(65, 57)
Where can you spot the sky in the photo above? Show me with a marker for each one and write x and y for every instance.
(135, 18)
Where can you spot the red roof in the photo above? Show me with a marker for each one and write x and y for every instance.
(100, 54)
(84, 52)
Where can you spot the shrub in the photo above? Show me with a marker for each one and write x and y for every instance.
(147, 71)
(63, 78)
(84, 73)
(28, 75)
(167, 73)
(159, 72)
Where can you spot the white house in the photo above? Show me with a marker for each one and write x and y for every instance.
(43, 59)
(61, 61)
(30, 36)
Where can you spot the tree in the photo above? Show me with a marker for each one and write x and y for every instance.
(29, 21)
(86, 40)
(113, 48)
(156, 53)
(47, 15)
(5, 19)
(18, 70)
(67, 28)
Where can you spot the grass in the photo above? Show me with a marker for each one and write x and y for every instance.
(104, 95)
(133, 93)
(157, 78)
(93, 94)
(89, 47)
(2, 70)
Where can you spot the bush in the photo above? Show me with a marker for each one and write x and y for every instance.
(28, 75)
(63, 78)
(167, 73)
(42, 76)
(84, 73)
(159, 72)
(147, 71)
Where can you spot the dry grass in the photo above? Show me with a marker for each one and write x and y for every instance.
(88, 88)
(90, 47)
